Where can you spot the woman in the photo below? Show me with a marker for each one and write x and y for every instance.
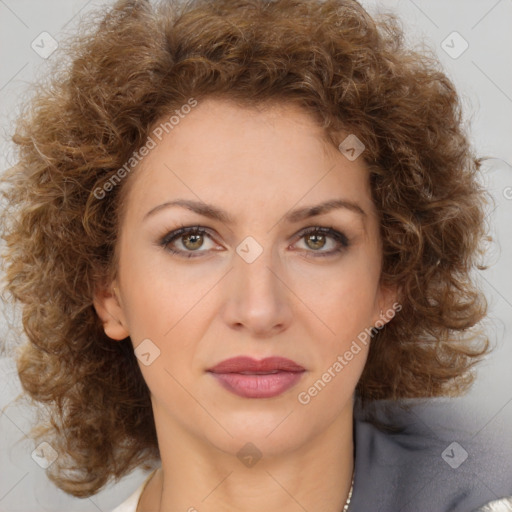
(229, 220)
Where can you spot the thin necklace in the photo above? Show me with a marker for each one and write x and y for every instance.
(347, 503)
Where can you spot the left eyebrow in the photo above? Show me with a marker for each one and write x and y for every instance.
(320, 209)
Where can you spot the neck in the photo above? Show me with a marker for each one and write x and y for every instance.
(198, 477)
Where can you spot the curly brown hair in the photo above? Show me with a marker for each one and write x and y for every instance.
(135, 62)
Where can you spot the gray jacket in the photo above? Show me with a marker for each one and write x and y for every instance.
(435, 455)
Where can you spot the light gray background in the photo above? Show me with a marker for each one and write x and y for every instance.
(483, 76)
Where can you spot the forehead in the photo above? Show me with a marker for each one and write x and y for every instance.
(250, 156)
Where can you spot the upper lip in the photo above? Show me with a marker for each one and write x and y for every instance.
(249, 365)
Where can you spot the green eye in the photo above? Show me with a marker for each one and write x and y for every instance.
(191, 238)
(316, 238)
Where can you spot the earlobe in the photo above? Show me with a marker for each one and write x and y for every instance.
(108, 307)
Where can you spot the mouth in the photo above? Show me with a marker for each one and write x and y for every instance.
(250, 378)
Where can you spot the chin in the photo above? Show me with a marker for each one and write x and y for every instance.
(271, 434)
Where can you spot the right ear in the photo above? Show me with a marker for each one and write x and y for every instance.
(108, 306)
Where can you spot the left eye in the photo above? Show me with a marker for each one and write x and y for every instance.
(316, 238)
(192, 240)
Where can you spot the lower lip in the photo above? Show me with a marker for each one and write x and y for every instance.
(258, 386)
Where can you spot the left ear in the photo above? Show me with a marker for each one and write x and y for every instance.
(388, 303)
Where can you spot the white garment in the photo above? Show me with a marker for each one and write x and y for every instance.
(131, 503)
(503, 505)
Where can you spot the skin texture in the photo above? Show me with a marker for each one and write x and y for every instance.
(258, 165)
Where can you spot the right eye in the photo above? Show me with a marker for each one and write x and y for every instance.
(191, 239)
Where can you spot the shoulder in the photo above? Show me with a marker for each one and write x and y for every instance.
(438, 454)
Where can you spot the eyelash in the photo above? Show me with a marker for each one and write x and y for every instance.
(340, 238)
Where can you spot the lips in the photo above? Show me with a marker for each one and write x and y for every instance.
(248, 365)
(250, 378)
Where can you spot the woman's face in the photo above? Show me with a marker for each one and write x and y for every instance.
(253, 282)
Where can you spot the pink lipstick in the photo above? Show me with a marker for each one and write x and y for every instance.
(250, 378)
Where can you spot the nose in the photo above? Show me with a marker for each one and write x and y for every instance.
(257, 297)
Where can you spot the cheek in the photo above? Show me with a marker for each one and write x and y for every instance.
(343, 298)
(342, 338)
(159, 294)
